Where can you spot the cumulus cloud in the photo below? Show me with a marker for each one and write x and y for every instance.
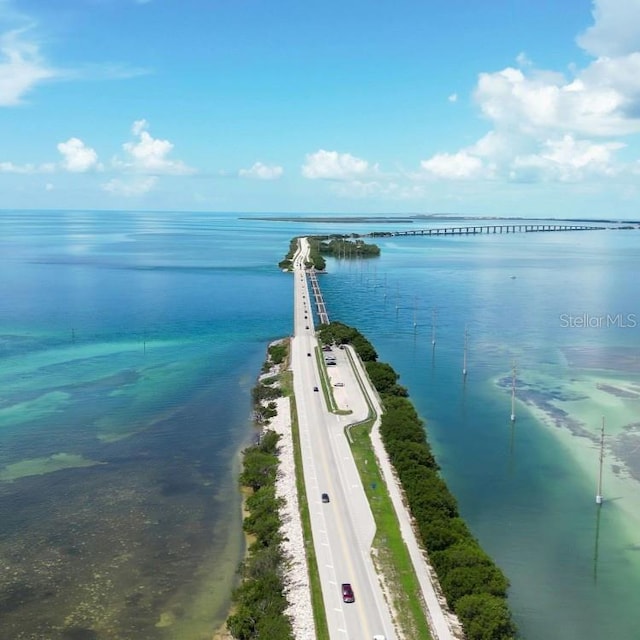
(22, 67)
(150, 155)
(548, 125)
(331, 165)
(461, 165)
(616, 29)
(566, 160)
(78, 158)
(453, 97)
(601, 100)
(262, 171)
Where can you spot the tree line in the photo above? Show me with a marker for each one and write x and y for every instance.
(474, 586)
(338, 246)
(259, 602)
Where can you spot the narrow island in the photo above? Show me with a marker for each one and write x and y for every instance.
(338, 246)
(279, 594)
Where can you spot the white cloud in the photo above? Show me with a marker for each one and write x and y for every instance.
(262, 171)
(10, 167)
(21, 67)
(149, 155)
(453, 97)
(551, 126)
(130, 188)
(331, 165)
(601, 100)
(616, 28)
(78, 158)
(461, 165)
(566, 160)
(139, 126)
(523, 60)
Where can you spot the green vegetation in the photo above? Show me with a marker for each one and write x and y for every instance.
(315, 258)
(267, 390)
(338, 333)
(259, 603)
(277, 353)
(474, 586)
(341, 247)
(287, 263)
(338, 246)
(384, 378)
(390, 552)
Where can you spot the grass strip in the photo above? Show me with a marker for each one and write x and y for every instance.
(389, 549)
(390, 552)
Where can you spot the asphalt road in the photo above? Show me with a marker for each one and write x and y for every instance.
(343, 528)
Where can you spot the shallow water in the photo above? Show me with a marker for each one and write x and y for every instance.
(129, 347)
(129, 343)
(527, 489)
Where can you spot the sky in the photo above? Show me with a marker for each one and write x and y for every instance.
(501, 107)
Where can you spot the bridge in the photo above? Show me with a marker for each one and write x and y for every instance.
(524, 227)
(321, 308)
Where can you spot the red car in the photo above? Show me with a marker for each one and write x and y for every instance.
(347, 593)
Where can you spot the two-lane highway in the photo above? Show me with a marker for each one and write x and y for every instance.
(343, 527)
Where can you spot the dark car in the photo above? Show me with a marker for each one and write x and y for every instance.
(308, 354)
(325, 497)
(315, 388)
(347, 593)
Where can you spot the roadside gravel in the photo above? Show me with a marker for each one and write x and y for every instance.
(297, 586)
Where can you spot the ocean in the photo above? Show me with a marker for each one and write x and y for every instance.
(129, 344)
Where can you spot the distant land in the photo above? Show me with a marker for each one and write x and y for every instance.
(345, 219)
(435, 217)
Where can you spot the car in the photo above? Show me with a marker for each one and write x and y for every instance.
(347, 593)
(378, 636)
(339, 384)
(307, 327)
(308, 354)
(315, 388)
(325, 497)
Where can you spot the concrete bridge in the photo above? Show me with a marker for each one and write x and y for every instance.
(321, 308)
(524, 227)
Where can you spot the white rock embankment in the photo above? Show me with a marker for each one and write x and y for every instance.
(297, 589)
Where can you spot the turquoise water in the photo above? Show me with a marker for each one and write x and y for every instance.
(526, 489)
(129, 346)
(129, 343)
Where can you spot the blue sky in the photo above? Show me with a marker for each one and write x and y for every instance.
(505, 107)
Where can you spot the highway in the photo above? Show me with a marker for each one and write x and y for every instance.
(344, 527)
